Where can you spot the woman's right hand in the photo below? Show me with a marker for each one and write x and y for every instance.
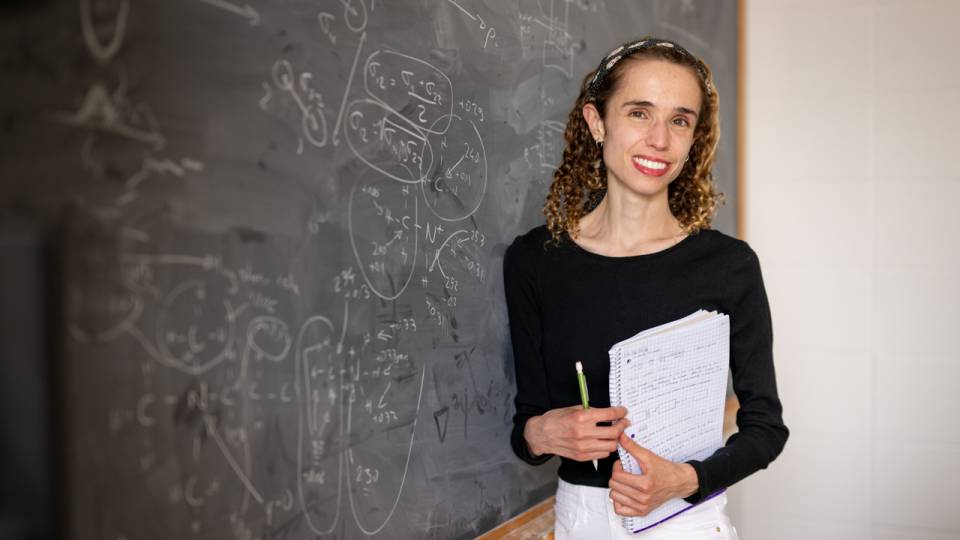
(572, 432)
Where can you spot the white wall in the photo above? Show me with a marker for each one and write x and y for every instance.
(852, 201)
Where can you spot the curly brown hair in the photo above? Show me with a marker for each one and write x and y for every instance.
(579, 183)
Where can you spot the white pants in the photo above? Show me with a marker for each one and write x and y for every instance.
(586, 512)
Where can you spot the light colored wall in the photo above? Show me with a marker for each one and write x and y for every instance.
(852, 202)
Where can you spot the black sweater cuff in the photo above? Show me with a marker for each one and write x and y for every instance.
(701, 492)
(520, 446)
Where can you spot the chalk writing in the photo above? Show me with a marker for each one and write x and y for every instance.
(251, 287)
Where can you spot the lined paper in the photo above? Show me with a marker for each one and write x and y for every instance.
(672, 380)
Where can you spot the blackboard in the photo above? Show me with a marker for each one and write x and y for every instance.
(281, 225)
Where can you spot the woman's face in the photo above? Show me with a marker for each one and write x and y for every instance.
(649, 125)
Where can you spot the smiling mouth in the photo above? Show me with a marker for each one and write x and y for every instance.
(650, 164)
(650, 167)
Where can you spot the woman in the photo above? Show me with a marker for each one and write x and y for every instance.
(627, 246)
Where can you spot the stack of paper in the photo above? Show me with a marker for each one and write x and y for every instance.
(672, 380)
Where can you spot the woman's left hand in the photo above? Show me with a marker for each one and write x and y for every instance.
(662, 480)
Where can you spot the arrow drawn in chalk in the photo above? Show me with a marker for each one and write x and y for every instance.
(246, 11)
(222, 445)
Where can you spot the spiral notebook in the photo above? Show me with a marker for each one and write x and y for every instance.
(672, 379)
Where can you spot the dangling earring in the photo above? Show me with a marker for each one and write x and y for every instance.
(599, 161)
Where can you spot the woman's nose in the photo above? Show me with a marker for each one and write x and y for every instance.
(657, 136)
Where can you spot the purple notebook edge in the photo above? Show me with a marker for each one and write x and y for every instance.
(712, 495)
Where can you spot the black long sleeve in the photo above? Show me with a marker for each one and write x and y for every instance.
(566, 305)
(524, 312)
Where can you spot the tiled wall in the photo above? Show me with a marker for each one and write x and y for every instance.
(852, 202)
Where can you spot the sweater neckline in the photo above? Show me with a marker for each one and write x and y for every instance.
(630, 258)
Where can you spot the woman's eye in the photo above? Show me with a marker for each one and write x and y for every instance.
(681, 122)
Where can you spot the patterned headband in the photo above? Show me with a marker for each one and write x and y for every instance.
(614, 56)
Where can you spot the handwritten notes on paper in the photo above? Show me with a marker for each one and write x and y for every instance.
(672, 380)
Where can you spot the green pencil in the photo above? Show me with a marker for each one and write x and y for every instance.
(584, 397)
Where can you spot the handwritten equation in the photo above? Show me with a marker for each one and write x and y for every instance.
(286, 387)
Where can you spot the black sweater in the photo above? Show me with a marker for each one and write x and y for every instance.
(567, 304)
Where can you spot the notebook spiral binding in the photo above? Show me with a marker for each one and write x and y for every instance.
(616, 395)
(616, 398)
